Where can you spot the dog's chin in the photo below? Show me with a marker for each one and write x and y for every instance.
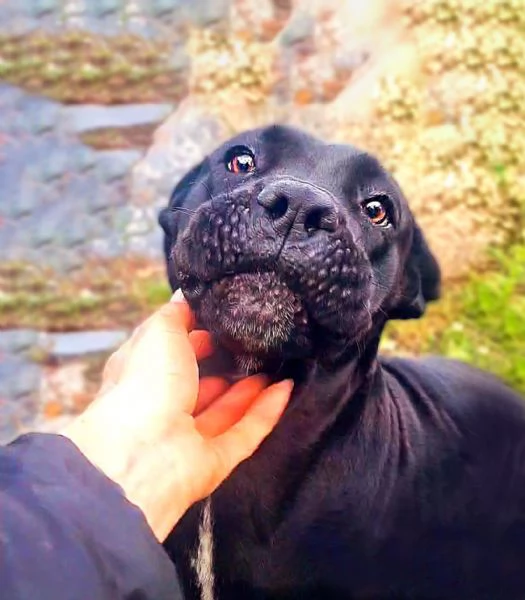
(257, 318)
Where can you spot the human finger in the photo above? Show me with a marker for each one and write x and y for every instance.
(210, 388)
(242, 439)
(114, 364)
(202, 343)
(229, 408)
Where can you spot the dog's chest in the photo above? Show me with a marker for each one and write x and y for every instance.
(321, 548)
(236, 547)
(232, 561)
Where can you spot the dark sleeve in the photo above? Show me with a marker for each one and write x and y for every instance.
(67, 531)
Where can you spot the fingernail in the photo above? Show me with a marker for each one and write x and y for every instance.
(178, 296)
(286, 385)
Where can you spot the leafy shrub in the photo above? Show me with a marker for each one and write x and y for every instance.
(490, 327)
(480, 321)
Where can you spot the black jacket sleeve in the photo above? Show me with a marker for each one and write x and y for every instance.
(68, 533)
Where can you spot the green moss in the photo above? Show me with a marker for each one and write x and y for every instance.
(112, 295)
(480, 321)
(119, 138)
(449, 126)
(492, 315)
(82, 67)
(154, 293)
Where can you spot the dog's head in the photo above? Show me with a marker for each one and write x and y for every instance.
(287, 247)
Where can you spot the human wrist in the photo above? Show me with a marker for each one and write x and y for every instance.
(135, 459)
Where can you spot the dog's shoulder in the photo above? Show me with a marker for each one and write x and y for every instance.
(467, 393)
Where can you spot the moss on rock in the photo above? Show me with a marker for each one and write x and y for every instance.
(78, 67)
(448, 129)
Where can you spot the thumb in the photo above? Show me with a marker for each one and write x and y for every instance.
(162, 360)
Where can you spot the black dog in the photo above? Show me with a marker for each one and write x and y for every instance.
(385, 478)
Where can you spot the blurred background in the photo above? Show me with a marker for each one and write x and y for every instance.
(105, 104)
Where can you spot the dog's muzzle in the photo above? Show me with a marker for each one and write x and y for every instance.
(270, 271)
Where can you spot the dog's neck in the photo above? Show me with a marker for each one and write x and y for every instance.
(326, 402)
(331, 390)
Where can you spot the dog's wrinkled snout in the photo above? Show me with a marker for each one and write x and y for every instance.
(298, 205)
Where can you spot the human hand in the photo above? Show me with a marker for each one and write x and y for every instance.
(166, 437)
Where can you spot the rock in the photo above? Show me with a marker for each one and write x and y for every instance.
(29, 198)
(149, 246)
(18, 377)
(350, 60)
(87, 117)
(7, 239)
(116, 164)
(179, 60)
(103, 8)
(9, 421)
(15, 341)
(300, 28)
(60, 259)
(65, 346)
(110, 245)
(9, 97)
(55, 164)
(209, 12)
(48, 227)
(180, 143)
(44, 116)
(78, 230)
(64, 387)
(159, 8)
(56, 190)
(40, 8)
(86, 191)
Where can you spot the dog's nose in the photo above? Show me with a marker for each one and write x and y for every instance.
(298, 205)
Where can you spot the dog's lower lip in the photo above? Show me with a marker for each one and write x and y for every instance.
(253, 313)
(234, 346)
(193, 286)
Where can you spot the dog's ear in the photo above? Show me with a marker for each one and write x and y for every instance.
(421, 280)
(169, 217)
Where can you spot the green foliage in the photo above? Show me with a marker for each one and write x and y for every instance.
(154, 292)
(103, 295)
(489, 329)
(480, 321)
(81, 67)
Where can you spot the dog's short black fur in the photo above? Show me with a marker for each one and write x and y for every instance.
(385, 478)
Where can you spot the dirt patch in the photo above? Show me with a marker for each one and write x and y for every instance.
(120, 138)
(112, 295)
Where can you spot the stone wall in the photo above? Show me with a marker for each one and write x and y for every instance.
(144, 17)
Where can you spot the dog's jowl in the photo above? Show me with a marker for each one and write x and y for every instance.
(385, 478)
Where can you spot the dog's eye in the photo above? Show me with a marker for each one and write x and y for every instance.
(376, 210)
(240, 160)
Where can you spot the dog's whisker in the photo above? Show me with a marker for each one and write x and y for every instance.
(183, 210)
(206, 187)
(383, 312)
(367, 308)
(379, 286)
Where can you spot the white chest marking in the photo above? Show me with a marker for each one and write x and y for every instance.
(202, 563)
